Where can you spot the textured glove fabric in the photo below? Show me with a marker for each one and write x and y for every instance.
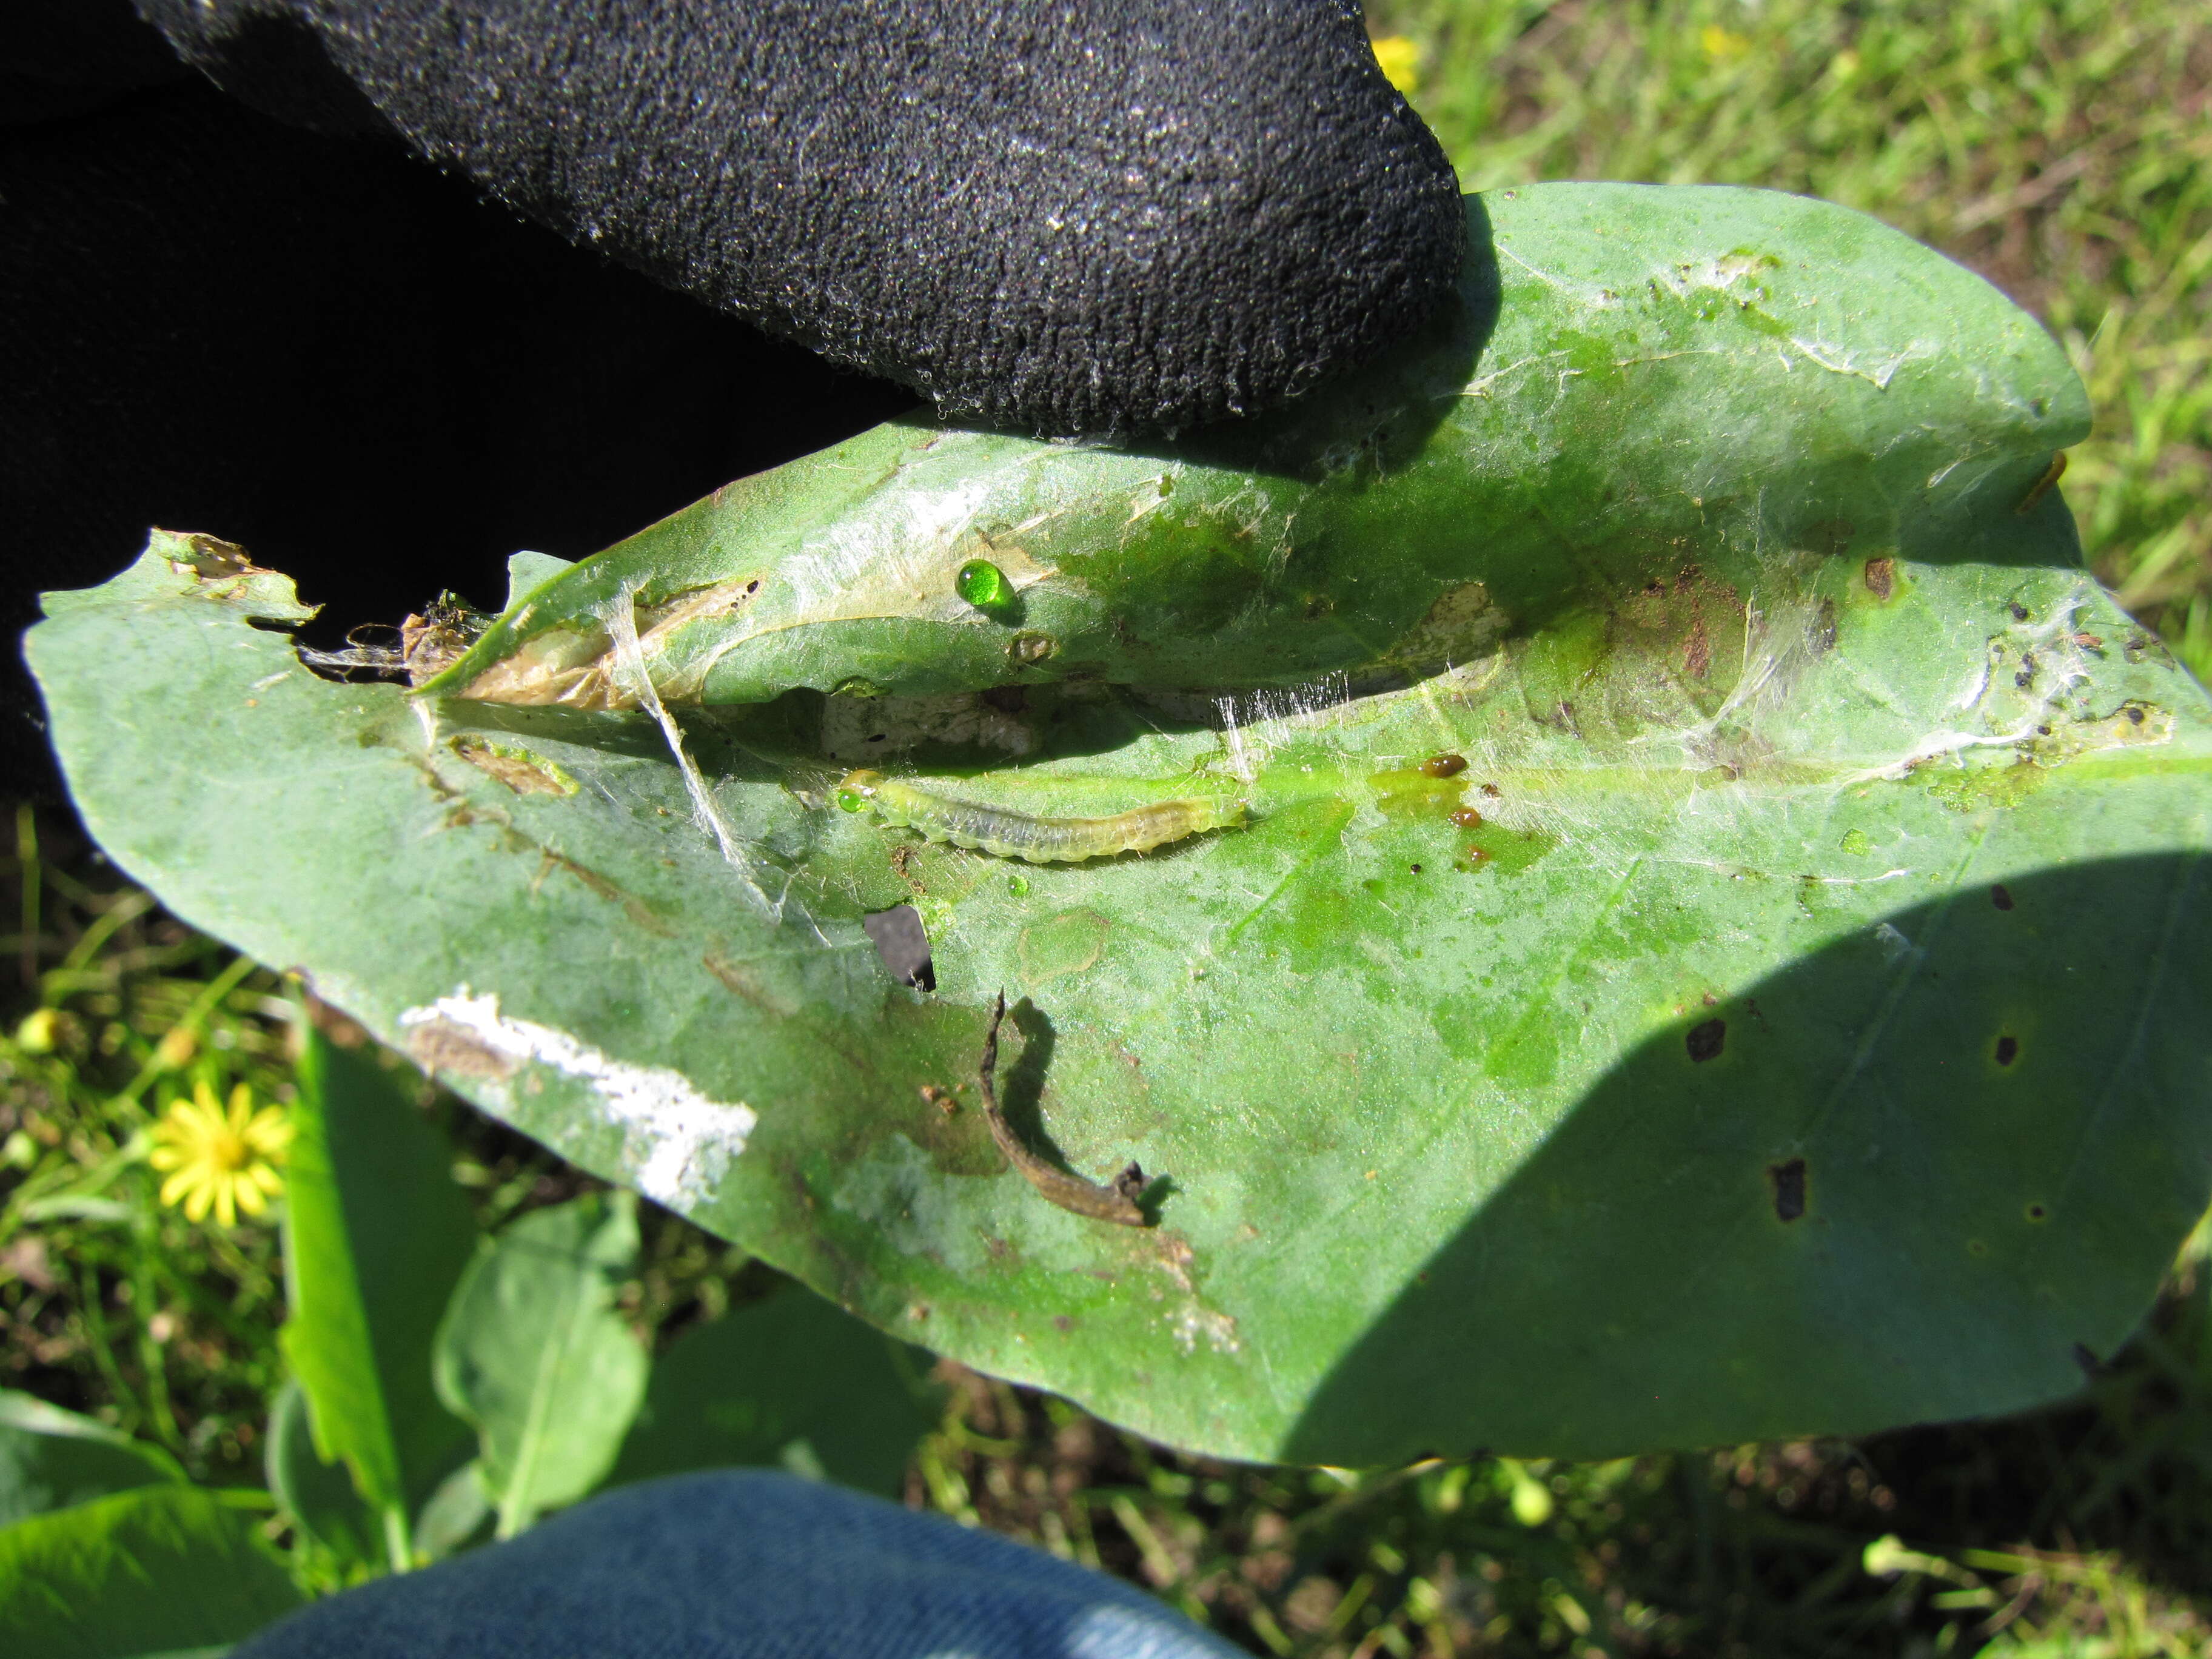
(743, 1564)
(1070, 218)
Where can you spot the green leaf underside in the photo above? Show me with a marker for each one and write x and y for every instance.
(157, 1570)
(1803, 1041)
(790, 1382)
(319, 1496)
(533, 1352)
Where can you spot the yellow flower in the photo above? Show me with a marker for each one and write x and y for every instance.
(1722, 46)
(1400, 61)
(226, 1160)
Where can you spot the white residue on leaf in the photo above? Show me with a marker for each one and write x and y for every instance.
(1191, 1322)
(678, 1142)
(1895, 946)
(1839, 361)
(630, 663)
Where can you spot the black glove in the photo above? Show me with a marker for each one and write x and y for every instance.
(1068, 218)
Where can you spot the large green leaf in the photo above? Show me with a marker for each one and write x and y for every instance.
(1633, 378)
(533, 1352)
(376, 1236)
(789, 1381)
(51, 1459)
(318, 1495)
(152, 1572)
(1806, 1038)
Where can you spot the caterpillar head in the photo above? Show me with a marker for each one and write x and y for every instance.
(858, 789)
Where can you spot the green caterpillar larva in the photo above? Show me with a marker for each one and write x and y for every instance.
(1040, 840)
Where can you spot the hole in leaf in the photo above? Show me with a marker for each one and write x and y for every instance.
(903, 945)
(1705, 1040)
(2008, 1050)
(2001, 896)
(1789, 1179)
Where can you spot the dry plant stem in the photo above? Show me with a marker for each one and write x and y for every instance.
(1117, 1203)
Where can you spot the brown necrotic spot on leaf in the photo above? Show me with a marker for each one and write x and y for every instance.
(525, 772)
(1788, 1180)
(2008, 1050)
(440, 1045)
(1705, 1040)
(741, 978)
(1698, 651)
(1881, 577)
(634, 907)
(210, 558)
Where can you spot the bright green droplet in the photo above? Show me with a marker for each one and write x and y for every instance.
(851, 799)
(1018, 886)
(983, 584)
(1857, 843)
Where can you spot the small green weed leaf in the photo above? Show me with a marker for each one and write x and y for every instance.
(376, 1236)
(320, 1496)
(533, 1353)
(789, 1381)
(456, 1513)
(50, 1458)
(138, 1573)
(1741, 882)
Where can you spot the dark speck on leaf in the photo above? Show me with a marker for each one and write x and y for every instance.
(1705, 1040)
(1881, 577)
(903, 945)
(2019, 611)
(2001, 896)
(2008, 1050)
(2134, 714)
(1789, 1180)
(1824, 628)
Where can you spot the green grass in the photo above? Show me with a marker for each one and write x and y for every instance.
(2064, 150)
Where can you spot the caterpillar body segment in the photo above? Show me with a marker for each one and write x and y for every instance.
(1038, 841)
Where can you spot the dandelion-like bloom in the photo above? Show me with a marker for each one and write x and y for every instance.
(223, 1159)
(1400, 59)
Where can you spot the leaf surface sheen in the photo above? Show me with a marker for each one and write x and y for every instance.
(1794, 1031)
(532, 1351)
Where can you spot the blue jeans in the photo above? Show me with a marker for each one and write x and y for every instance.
(742, 1564)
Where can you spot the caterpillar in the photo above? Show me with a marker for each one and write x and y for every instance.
(1040, 840)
